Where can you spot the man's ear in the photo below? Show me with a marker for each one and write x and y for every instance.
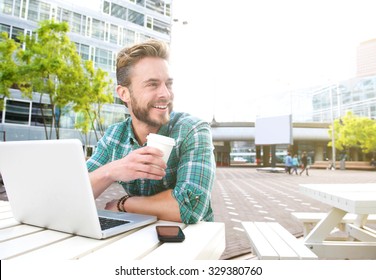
(123, 93)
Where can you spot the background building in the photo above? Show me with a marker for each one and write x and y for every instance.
(99, 33)
(110, 25)
(366, 59)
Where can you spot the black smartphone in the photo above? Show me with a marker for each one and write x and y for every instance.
(170, 234)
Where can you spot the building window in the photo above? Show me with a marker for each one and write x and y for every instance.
(78, 24)
(17, 8)
(128, 37)
(160, 26)
(98, 30)
(103, 59)
(7, 7)
(168, 10)
(155, 5)
(149, 22)
(32, 13)
(136, 17)
(44, 11)
(118, 11)
(16, 33)
(143, 37)
(67, 117)
(106, 7)
(41, 114)
(372, 112)
(346, 96)
(111, 115)
(83, 51)
(66, 16)
(158, 6)
(17, 112)
(5, 28)
(369, 89)
(114, 34)
(13, 32)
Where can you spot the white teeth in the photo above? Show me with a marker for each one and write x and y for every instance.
(160, 107)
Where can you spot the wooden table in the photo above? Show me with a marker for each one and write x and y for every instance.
(359, 199)
(205, 240)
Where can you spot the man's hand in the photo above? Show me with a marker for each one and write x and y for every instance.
(112, 205)
(143, 163)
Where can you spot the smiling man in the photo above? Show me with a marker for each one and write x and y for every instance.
(177, 191)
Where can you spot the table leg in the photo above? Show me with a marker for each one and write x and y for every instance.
(361, 220)
(325, 226)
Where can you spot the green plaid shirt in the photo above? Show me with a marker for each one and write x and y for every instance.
(190, 169)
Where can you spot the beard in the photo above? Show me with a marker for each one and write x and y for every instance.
(143, 113)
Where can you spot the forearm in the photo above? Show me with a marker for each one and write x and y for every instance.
(146, 163)
(163, 205)
(100, 180)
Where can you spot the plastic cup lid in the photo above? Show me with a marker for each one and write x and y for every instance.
(160, 138)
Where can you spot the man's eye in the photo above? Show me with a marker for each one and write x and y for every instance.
(153, 85)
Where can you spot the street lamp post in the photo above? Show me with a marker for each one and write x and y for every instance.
(333, 166)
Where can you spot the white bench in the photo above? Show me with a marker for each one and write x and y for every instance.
(271, 241)
(310, 219)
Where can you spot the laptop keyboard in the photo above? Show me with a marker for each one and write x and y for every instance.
(107, 223)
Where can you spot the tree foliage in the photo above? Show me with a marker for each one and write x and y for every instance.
(97, 92)
(8, 66)
(353, 131)
(51, 66)
(47, 63)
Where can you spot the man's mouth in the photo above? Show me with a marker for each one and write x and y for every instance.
(162, 107)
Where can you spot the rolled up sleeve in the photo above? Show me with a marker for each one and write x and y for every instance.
(195, 176)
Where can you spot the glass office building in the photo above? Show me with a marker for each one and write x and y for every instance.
(357, 95)
(108, 26)
(99, 32)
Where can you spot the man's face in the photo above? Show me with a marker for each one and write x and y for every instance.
(151, 96)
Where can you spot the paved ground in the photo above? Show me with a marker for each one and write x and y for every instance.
(245, 194)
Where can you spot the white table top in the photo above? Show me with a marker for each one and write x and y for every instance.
(205, 240)
(352, 198)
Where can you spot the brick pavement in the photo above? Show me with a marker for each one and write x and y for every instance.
(244, 194)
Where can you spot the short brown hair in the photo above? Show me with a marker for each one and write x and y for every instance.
(128, 57)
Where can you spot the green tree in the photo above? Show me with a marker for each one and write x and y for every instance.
(51, 66)
(97, 91)
(367, 135)
(353, 131)
(8, 66)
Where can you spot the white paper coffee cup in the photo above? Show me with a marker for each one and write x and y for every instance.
(161, 142)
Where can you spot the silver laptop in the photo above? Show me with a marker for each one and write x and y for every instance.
(48, 185)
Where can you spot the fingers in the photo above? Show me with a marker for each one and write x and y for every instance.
(111, 205)
(148, 170)
(143, 163)
(151, 155)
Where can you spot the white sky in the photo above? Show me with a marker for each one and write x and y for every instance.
(234, 58)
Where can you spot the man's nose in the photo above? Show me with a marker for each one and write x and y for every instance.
(164, 91)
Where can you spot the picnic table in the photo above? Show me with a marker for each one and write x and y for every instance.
(358, 199)
(204, 240)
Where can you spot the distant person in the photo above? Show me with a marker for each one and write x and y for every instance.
(295, 164)
(304, 161)
(373, 162)
(288, 163)
(179, 190)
